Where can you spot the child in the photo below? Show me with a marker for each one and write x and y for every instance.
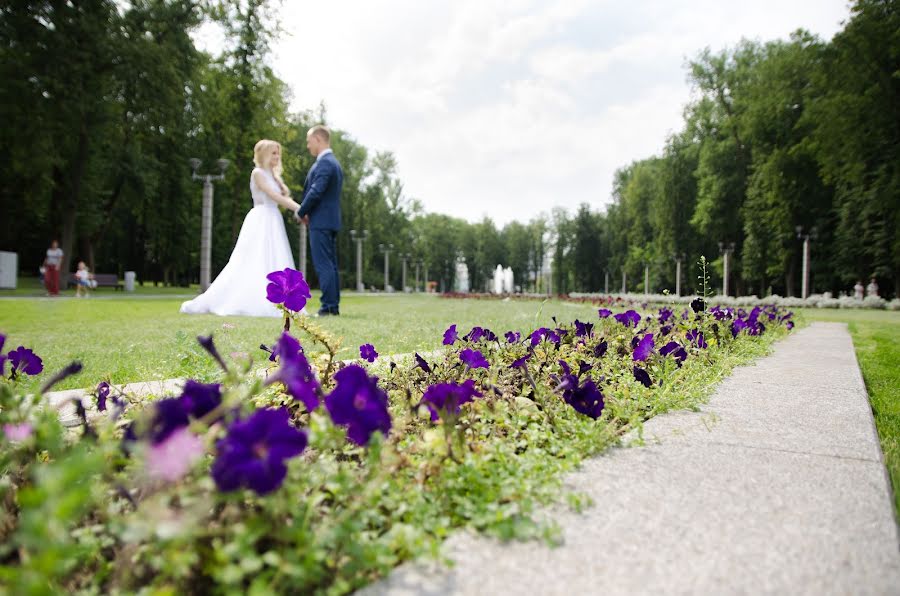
(82, 280)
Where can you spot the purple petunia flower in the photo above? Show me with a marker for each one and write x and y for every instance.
(537, 335)
(17, 433)
(644, 348)
(604, 313)
(642, 376)
(253, 453)
(358, 403)
(206, 341)
(450, 335)
(698, 305)
(102, 393)
(513, 337)
(421, 363)
(789, 325)
(600, 349)
(174, 457)
(737, 326)
(675, 349)
(629, 318)
(295, 373)
(367, 352)
(444, 399)
(199, 399)
(665, 314)
(695, 336)
(24, 360)
(474, 359)
(584, 367)
(520, 362)
(288, 287)
(583, 329)
(586, 399)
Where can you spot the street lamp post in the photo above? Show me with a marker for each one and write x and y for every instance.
(404, 257)
(359, 238)
(804, 292)
(418, 266)
(606, 282)
(646, 279)
(624, 280)
(678, 259)
(725, 249)
(206, 216)
(386, 250)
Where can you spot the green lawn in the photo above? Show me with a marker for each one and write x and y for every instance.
(133, 339)
(876, 337)
(32, 287)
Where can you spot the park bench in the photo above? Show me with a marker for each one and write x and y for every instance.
(104, 280)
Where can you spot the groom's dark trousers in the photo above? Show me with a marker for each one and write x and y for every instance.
(322, 202)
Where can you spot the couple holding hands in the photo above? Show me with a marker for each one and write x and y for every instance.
(262, 245)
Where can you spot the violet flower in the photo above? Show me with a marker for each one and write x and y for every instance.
(642, 376)
(24, 360)
(513, 337)
(367, 352)
(673, 347)
(629, 318)
(443, 400)
(358, 403)
(586, 399)
(253, 453)
(644, 348)
(604, 313)
(695, 336)
(295, 373)
(422, 363)
(600, 349)
(288, 287)
(474, 359)
(450, 335)
(583, 329)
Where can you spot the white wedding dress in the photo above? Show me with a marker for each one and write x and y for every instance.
(262, 247)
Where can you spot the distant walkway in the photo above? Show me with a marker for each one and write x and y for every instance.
(776, 486)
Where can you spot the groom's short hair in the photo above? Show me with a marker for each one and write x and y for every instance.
(321, 131)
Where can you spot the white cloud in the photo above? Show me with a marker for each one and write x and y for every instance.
(507, 108)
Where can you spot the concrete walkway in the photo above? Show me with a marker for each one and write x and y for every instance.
(776, 486)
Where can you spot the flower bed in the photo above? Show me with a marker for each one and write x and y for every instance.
(323, 476)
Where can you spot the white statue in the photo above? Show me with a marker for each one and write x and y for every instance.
(498, 280)
(508, 285)
(462, 276)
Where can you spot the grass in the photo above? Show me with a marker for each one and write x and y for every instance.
(876, 338)
(32, 287)
(133, 339)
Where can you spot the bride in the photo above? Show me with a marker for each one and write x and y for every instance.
(262, 246)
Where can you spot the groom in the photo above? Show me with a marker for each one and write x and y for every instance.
(320, 210)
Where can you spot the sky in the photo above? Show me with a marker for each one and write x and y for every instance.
(508, 108)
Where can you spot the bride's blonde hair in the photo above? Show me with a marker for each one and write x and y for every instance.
(261, 152)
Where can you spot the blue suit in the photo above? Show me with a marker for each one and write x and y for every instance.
(322, 202)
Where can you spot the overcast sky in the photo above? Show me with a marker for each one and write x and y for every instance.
(507, 108)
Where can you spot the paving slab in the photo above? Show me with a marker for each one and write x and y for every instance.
(776, 486)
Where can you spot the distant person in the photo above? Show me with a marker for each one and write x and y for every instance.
(262, 245)
(52, 263)
(858, 290)
(872, 289)
(83, 280)
(320, 210)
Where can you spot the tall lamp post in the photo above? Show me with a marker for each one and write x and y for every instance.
(419, 264)
(805, 237)
(646, 279)
(386, 250)
(404, 257)
(678, 259)
(206, 216)
(725, 249)
(359, 238)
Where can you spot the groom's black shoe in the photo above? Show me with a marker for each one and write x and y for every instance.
(325, 312)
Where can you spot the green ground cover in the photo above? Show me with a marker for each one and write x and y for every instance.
(132, 339)
(876, 337)
(32, 287)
